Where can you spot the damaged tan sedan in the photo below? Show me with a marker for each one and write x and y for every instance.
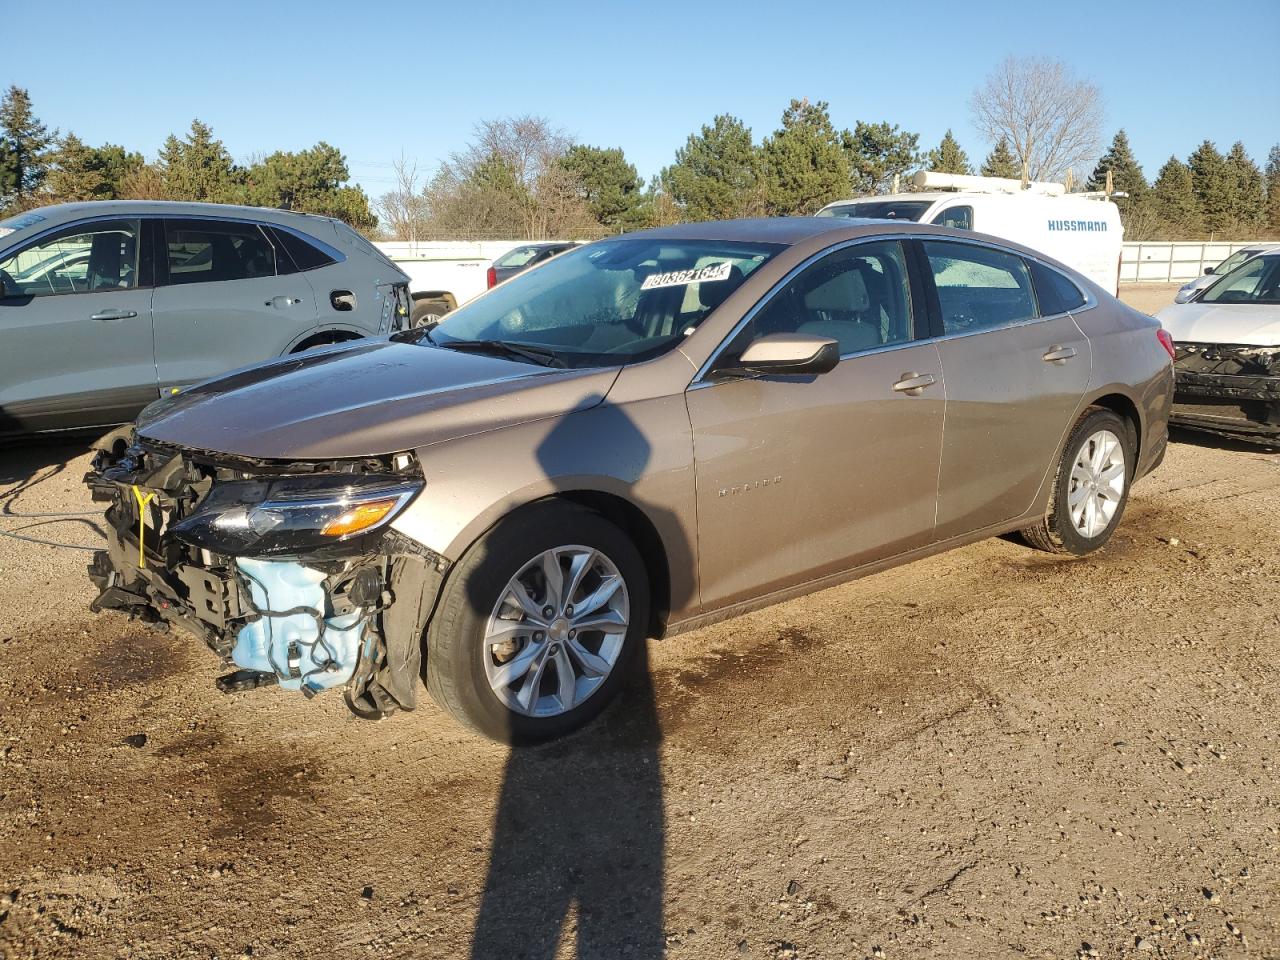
(640, 436)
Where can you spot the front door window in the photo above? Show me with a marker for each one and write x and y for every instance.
(84, 258)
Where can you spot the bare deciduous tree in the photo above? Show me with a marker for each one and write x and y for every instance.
(1049, 117)
(403, 208)
(510, 180)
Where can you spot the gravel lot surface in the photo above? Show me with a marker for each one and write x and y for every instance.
(990, 753)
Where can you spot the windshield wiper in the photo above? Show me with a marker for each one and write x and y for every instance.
(538, 355)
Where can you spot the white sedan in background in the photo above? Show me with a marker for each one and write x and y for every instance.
(1227, 353)
(1192, 287)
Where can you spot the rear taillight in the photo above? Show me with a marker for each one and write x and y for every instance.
(1166, 341)
(492, 277)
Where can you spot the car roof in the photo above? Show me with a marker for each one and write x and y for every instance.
(59, 212)
(784, 230)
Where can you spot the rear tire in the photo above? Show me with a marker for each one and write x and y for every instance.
(503, 665)
(1091, 487)
(429, 311)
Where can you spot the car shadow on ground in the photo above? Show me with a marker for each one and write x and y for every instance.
(26, 461)
(1214, 441)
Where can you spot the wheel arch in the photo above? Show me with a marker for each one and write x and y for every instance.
(1123, 406)
(619, 510)
(326, 335)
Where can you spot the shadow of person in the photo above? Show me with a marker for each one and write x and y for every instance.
(578, 846)
(578, 843)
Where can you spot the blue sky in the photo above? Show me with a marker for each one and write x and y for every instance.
(375, 79)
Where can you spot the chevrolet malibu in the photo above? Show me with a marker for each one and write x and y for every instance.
(642, 436)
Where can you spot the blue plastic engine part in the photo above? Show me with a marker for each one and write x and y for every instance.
(294, 647)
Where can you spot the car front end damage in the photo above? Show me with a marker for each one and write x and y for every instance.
(1230, 389)
(288, 571)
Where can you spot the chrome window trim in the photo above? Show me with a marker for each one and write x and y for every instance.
(31, 241)
(326, 248)
(699, 378)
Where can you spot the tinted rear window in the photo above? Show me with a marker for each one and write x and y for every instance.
(1056, 293)
(305, 255)
(202, 251)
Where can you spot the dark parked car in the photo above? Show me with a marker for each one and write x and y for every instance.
(520, 259)
(106, 306)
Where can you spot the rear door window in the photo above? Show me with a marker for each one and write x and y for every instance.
(979, 288)
(306, 256)
(1057, 294)
(210, 251)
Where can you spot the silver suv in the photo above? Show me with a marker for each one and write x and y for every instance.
(106, 306)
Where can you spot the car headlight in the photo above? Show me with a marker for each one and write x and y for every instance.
(294, 514)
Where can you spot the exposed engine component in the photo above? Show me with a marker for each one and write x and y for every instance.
(287, 571)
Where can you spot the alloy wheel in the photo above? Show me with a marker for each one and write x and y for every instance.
(557, 631)
(1096, 484)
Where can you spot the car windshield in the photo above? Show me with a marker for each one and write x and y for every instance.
(613, 302)
(1254, 281)
(1233, 261)
(880, 209)
(517, 257)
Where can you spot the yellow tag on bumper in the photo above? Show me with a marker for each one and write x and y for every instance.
(143, 500)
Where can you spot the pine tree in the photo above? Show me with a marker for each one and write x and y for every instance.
(1215, 187)
(199, 167)
(1273, 191)
(1173, 199)
(948, 157)
(877, 154)
(1000, 162)
(24, 148)
(76, 173)
(607, 182)
(1126, 174)
(804, 162)
(716, 175)
(1250, 195)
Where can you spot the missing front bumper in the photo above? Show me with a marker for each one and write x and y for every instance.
(1233, 390)
(349, 618)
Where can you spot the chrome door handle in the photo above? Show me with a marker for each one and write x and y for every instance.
(913, 384)
(1059, 355)
(113, 316)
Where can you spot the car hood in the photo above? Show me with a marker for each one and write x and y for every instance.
(368, 398)
(1253, 324)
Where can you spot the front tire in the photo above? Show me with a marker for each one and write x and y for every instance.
(1091, 487)
(539, 624)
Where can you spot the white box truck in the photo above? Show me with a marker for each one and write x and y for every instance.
(1082, 230)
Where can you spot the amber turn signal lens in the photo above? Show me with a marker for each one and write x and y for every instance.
(358, 518)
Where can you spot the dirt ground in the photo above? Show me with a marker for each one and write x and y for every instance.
(990, 753)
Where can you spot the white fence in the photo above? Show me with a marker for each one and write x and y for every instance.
(446, 249)
(1142, 262)
(1172, 262)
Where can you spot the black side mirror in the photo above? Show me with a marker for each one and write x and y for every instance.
(786, 354)
(1208, 271)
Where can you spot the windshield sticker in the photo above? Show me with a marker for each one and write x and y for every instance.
(682, 278)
